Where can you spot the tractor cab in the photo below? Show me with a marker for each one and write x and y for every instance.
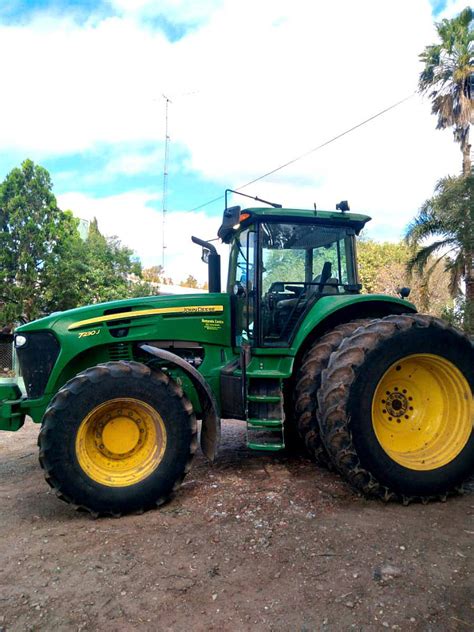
(282, 262)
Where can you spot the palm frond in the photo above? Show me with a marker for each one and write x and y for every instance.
(420, 258)
(456, 269)
(447, 66)
(426, 224)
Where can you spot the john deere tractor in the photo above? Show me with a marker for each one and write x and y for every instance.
(375, 390)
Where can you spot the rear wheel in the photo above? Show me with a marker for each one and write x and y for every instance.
(308, 382)
(396, 408)
(117, 438)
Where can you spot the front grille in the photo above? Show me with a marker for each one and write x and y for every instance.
(6, 355)
(37, 358)
(120, 351)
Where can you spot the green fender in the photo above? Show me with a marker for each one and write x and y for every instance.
(333, 310)
(211, 423)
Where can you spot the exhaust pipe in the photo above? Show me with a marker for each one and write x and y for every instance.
(210, 256)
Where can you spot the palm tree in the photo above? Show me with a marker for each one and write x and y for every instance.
(447, 222)
(447, 78)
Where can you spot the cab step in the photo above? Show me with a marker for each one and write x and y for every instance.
(265, 413)
(264, 399)
(269, 447)
(271, 424)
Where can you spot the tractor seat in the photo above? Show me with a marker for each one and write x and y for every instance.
(330, 287)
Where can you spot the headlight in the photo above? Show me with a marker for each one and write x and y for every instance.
(20, 341)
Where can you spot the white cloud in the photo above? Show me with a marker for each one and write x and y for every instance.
(453, 8)
(139, 226)
(135, 163)
(181, 11)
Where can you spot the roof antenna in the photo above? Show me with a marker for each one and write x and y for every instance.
(165, 181)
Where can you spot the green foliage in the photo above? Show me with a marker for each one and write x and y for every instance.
(108, 264)
(45, 266)
(190, 281)
(455, 314)
(383, 270)
(381, 266)
(31, 231)
(447, 221)
(154, 274)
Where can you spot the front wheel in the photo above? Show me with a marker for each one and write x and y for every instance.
(117, 438)
(396, 408)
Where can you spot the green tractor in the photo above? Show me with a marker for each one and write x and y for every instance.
(374, 389)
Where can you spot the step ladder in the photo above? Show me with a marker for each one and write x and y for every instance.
(265, 416)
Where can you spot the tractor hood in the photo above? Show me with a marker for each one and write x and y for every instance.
(130, 312)
(55, 348)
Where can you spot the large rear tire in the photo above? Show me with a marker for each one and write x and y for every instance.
(308, 383)
(396, 408)
(117, 438)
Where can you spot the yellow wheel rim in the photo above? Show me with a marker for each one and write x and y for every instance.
(422, 412)
(121, 442)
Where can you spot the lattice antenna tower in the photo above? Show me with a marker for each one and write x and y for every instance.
(165, 181)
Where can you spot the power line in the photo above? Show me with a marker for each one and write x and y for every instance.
(310, 151)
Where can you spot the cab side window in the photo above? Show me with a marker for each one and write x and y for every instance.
(300, 263)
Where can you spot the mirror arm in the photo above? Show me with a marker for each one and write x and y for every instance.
(204, 244)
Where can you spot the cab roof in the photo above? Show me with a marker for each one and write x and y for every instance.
(355, 220)
(235, 218)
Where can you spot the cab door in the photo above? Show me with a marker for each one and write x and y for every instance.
(242, 278)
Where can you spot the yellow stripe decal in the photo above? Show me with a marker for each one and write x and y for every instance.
(190, 309)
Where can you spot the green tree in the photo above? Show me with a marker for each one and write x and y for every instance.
(154, 274)
(91, 271)
(45, 266)
(381, 266)
(445, 78)
(31, 229)
(110, 270)
(189, 282)
(446, 222)
(108, 265)
(64, 277)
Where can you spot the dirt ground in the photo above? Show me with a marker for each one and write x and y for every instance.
(255, 542)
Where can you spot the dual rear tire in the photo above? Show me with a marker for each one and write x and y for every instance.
(392, 406)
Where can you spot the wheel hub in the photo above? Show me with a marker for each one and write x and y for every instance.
(119, 436)
(396, 404)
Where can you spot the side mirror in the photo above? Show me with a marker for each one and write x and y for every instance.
(230, 221)
(404, 292)
(205, 255)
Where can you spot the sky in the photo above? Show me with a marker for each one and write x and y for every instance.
(252, 84)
